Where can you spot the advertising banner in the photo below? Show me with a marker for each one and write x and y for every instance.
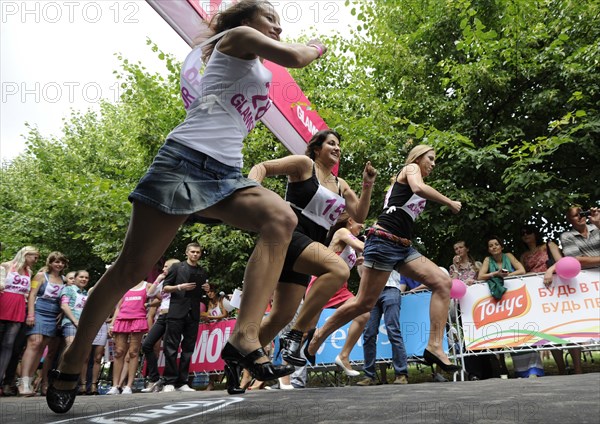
(414, 326)
(529, 314)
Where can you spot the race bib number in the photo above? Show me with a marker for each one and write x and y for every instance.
(52, 291)
(325, 208)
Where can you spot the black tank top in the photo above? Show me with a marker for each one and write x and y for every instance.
(401, 210)
(299, 194)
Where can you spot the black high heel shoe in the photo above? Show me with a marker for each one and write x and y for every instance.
(61, 401)
(292, 346)
(310, 358)
(236, 362)
(431, 359)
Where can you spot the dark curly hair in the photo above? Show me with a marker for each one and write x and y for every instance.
(317, 140)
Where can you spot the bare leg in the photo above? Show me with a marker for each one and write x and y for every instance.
(371, 284)
(354, 332)
(557, 354)
(121, 348)
(428, 273)
(149, 235)
(98, 352)
(33, 353)
(286, 300)
(53, 349)
(135, 345)
(576, 356)
(332, 271)
(260, 210)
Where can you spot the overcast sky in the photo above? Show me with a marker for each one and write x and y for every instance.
(56, 56)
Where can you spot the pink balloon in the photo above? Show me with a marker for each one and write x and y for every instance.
(568, 267)
(458, 289)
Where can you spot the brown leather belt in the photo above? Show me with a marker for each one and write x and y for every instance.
(388, 236)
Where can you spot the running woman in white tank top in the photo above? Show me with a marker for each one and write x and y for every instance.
(185, 179)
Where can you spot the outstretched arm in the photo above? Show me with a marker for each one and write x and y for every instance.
(296, 167)
(247, 43)
(418, 186)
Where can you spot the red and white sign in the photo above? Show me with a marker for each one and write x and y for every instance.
(209, 344)
(529, 314)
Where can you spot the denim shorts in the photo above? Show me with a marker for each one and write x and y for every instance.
(385, 255)
(69, 330)
(182, 181)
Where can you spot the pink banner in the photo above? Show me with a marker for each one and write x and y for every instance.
(207, 353)
(292, 103)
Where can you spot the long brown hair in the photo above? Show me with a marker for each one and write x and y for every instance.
(229, 18)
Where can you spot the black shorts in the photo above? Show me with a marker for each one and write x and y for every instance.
(300, 241)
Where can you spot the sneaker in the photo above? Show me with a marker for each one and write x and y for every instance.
(401, 379)
(367, 381)
(114, 390)
(126, 391)
(152, 386)
(168, 388)
(185, 388)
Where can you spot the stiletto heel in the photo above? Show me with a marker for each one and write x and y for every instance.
(233, 379)
(292, 346)
(348, 371)
(60, 401)
(310, 358)
(235, 361)
(431, 359)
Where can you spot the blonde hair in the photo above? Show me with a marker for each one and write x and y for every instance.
(416, 152)
(19, 261)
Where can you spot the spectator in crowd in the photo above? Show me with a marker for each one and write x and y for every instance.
(215, 311)
(582, 243)
(198, 172)
(151, 344)
(70, 278)
(127, 329)
(72, 301)
(43, 309)
(494, 269)
(539, 256)
(186, 282)
(464, 267)
(387, 305)
(97, 353)
(15, 283)
(498, 266)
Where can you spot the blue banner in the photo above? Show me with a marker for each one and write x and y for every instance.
(414, 326)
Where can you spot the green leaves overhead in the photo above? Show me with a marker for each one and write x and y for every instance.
(507, 91)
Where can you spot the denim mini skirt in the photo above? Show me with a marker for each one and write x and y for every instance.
(385, 255)
(182, 181)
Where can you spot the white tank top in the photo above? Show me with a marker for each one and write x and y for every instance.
(223, 106)
(16, 283)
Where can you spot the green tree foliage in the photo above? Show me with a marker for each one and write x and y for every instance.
(506, 91)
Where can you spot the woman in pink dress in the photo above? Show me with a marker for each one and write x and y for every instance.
(127, 328)
(15, 282)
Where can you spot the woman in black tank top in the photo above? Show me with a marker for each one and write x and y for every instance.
(317, 197)
(388, 247)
